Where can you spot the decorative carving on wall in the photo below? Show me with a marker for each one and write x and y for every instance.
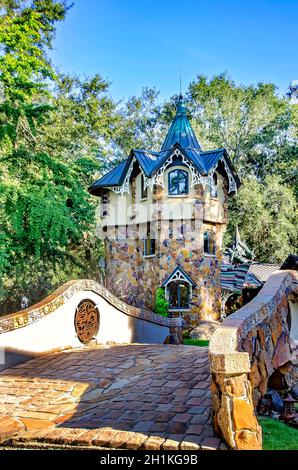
(86, 320)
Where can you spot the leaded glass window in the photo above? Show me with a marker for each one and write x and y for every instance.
(178, 182)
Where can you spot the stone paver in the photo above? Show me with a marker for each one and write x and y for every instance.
(124, 396)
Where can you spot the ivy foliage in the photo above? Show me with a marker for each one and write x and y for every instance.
(47, 216)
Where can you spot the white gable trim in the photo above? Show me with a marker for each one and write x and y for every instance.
(158, 178)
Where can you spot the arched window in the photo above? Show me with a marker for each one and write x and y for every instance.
(178, 293)
(178, 182)
(213, 191)
(209, 242)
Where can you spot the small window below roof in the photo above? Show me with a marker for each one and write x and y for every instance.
(149, 247)
(144, 191)
(178, 183)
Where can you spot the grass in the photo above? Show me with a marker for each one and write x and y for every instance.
(196, 342)
(278, 436)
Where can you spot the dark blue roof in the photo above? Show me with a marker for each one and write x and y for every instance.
(147, 160)
(180, 136)
(181, 131)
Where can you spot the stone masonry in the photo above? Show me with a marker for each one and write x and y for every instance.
(135, 279)
(147, 397)
(245, 351)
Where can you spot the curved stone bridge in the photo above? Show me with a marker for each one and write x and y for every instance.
(128, 396)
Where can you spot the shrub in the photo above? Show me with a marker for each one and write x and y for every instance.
(161, 304)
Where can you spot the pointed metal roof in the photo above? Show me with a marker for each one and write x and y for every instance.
(180, 136)
(180, 131)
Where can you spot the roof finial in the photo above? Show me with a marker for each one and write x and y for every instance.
(180, 95)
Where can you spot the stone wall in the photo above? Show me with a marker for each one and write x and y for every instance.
(244, 352)
(135, 278)
(50, 325)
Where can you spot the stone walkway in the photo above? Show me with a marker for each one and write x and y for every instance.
(127, 396)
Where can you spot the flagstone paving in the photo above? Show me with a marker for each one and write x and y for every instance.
(127, 396)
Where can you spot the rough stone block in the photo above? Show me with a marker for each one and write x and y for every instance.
(9, 427)
(243, 415)
(247, 440)
(230, 363)
(136, 441)
(153, 443)
(224, 420)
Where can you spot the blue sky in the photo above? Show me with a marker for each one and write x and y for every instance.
(138, 43)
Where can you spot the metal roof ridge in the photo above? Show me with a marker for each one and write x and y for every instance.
(153, 152)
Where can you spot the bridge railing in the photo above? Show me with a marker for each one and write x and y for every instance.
(79, 313)
(245, 351)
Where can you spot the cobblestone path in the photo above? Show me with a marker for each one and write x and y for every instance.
(127, 396)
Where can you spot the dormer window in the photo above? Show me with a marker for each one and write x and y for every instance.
(209, 243)
(178, 183)
(178, 289)
(213, 191)
(144, 191)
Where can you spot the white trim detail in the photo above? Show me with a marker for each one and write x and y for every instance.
(125, 185)
(178, 276)
(196, 178)
(158, 178)
(232, 182)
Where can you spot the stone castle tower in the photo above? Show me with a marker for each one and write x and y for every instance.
(163, 215)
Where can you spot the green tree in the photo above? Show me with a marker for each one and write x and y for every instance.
(267, 216)
(26, 33)
(82, 122)
(142, 123)
(46, 214)
(161, 304)
(251, 122)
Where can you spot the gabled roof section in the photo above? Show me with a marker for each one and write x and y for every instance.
(178, 275)
(263, 270)
(148, 160)
(115, 177)
(181, 131)
(180, 137)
